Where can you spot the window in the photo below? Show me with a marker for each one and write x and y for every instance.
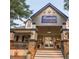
(22, 38)
(46, 45)
(51, 45)
(17, 37)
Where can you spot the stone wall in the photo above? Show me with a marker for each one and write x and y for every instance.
(17, 57)
(66, 48)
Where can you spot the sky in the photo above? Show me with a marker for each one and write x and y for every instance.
(36, 5)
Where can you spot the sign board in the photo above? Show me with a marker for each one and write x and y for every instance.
(49, 19)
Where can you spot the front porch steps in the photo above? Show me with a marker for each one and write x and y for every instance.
(48, 54)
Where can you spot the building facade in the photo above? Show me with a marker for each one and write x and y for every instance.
(47, 29)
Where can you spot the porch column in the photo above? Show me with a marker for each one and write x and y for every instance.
(32, 44)
(65, 40)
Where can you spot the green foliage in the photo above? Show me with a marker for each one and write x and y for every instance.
(66, 5)
(12, 23)
(19, 9)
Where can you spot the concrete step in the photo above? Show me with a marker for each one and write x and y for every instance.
(49, 54)
(48, 58)
(49, 51)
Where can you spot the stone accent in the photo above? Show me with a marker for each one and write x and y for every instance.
(32, 44)
(17, 57)
(65, 40)
(66, 48)
(32, 49)
(20, 52)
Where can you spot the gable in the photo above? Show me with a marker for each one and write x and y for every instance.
(53, 7)
(49, 11)
(28, 24)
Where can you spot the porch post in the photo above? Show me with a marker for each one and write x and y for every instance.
(32, 44)
(64, 40)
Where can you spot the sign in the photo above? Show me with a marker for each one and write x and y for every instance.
(49, 19)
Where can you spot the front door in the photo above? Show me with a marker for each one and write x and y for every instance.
(48, 42)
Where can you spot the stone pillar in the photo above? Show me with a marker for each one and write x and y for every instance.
(32, 44)
(65, 40)
(28, 55)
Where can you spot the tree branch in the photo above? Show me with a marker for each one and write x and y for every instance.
(22, 20)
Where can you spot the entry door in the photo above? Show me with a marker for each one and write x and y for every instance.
(48, 42)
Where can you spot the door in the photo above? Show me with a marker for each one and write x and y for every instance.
(48, 42)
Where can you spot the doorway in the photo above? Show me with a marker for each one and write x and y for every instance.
(46, 42)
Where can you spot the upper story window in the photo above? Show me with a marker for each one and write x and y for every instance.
(17, 38)
(49, 19)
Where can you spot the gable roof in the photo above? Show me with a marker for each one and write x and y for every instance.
(53, 7)
(28, 20)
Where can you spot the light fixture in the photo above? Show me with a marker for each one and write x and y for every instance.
(49, 32)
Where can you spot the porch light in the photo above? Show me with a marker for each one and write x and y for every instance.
(49, 32)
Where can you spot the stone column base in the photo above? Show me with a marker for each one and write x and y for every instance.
(32, 47)
(66, 47)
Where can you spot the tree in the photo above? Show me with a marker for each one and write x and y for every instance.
(12, 23)
(66, 5)
(18, 10)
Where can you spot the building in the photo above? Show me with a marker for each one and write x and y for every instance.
(46, 30)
